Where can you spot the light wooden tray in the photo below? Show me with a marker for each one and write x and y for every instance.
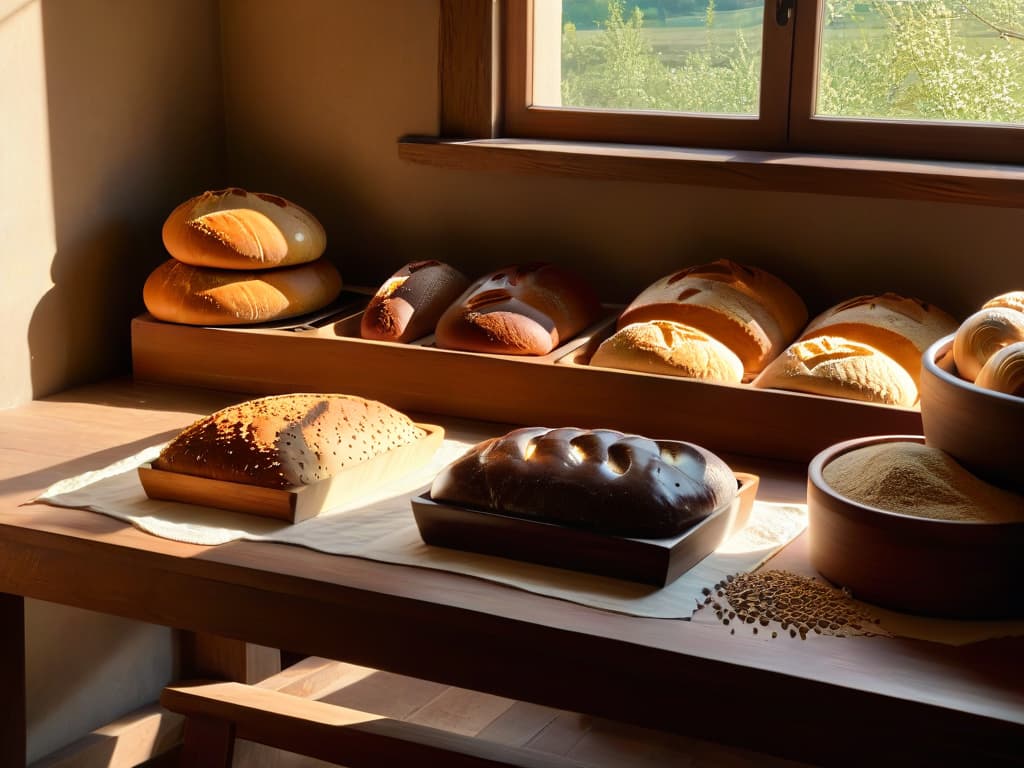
(649, 561)
(325, 354)
(298, 503)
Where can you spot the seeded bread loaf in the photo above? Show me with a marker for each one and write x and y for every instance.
(600, 480)
(673, 349)
(235, 229)
(829, 365)
(180, 293)
(287, 440)
(521, 310)
(409, 304)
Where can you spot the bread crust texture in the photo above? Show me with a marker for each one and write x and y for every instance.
(408, 304)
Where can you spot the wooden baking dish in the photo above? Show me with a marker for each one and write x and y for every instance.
(298, 503)
(649, 561)
(325, 355)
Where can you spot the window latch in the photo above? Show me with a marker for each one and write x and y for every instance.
(784, 11)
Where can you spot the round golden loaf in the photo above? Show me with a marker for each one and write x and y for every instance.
(180, 293)
(901, 327)
(600, 480)
(829, 365)
(1010, 300)
(287, 440)
(982, 335)
(1004, 371)
(673, 349)
(409, 303)
(235, 229)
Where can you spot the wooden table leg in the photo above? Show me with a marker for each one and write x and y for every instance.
(12, 681)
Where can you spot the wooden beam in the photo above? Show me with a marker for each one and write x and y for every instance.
(468, 71)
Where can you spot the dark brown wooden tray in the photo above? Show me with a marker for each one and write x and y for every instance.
(650, 561)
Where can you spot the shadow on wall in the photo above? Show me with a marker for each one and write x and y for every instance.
(135, 125)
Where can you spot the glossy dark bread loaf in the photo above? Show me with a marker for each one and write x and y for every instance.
(601, 480)
(522, 310)
(287, 440)
(410, 302)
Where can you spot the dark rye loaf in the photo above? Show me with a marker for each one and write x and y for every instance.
(287, 440)
(600, 480)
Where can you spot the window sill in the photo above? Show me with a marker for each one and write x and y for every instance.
(933, 181)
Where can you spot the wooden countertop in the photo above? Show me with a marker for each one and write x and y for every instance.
(826, 700)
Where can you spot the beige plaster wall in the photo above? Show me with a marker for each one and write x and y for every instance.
(318, 120)
(110, 113)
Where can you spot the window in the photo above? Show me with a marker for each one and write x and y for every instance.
(911, 78)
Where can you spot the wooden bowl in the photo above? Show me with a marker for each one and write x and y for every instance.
(950, 568)
(980, 428)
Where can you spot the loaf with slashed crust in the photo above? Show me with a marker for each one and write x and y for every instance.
(600, 480)
(235, 229)
(410, 302)
(287, 440)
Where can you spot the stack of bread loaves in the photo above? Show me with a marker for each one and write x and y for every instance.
(240, 257)
(988, 348)
(721, 321)
(868, 348)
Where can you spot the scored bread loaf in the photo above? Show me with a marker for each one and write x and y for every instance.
(901, 327)
(180, 293)
(287, 440)
(235, 229)
(829, 365)
(666, 347)
(600, 480)
(522, 310)
(982, 335)
(409, 303)
(752, 312)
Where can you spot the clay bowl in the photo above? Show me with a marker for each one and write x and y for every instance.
(947, 568)
(980, 428)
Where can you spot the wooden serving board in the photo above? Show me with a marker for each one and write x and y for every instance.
(649, 561)
(298, 503)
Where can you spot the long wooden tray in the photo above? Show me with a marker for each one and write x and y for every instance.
(649, 561)
(326, 355)
(298, 503)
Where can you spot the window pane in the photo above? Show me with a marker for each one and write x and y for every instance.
(949, 60)
(693, 56)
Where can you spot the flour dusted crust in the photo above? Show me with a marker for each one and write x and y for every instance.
(902, 327)
(181, 293)
(235, 229)
(409, 303)
(829, 365)
(287, 440)
(600, 480)
(673, 349)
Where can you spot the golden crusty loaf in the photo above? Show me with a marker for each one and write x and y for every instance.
(287, 440)
(1004, 371)
(180, 293)
(666, 347)
(235, 229)
(1011, 300)
(521, 310)
(409, 303)
(982, 335)
(901, 327)
(752, 312)
(829, 365)
(601, 480)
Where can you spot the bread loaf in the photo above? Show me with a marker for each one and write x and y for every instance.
(287, 440)
(829, 365)
(180, 293)
(1004, 371)
(662, 346)
(982, 335)
(235, 229)
(600, 480)
(750, 311)
(902, 328)
(1012, 300)
(521, 310)
(409, 304)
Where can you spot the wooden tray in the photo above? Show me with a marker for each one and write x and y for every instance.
(650, 561)
(299, 503)
(326, 355)
(951, 568)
